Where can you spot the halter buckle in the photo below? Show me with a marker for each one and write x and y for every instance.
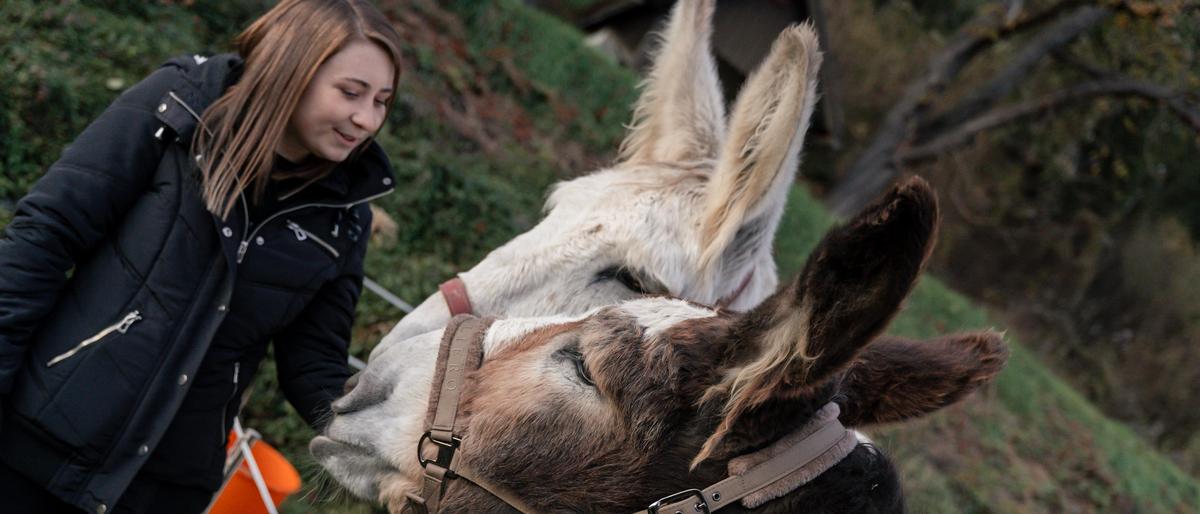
(446, 449)
(701, 505)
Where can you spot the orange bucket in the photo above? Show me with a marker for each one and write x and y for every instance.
(241, 496)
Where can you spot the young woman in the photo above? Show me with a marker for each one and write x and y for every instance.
(216, 206)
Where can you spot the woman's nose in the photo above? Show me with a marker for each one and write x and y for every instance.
(366, 120)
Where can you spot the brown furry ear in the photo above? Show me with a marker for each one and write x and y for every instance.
(851, 287)
(895, 379)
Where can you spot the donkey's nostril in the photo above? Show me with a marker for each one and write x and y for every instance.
(351, 383)
(361, 392)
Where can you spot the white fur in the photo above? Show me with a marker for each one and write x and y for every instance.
(388, 430)
(507, 331)
(656, 315)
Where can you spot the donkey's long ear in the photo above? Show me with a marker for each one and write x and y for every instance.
(766, 132)
(895, 379)
(851, 287)
(680, 115)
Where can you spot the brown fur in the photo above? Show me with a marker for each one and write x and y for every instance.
(850, 288)
(896, 379)
(549, 449)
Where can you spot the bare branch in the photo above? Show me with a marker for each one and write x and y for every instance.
(965, 132)
(1066, 56)
(1015, 8)
(874, 169)
(982, 98)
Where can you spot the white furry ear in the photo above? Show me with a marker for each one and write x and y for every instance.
(766, 132)
(680, 115)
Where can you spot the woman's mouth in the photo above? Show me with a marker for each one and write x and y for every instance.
(351, 141)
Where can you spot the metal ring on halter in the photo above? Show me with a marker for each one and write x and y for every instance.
(428, 436)
(701, 506)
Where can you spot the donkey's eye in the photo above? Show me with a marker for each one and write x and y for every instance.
(572, 354)
(635, 282)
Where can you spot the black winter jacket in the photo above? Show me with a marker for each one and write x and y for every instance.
(116, 284)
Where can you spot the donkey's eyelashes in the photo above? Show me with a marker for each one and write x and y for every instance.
(636, 281)
(572, 355)
(581, 370)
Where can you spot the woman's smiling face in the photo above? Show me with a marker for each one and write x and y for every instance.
(344, 104)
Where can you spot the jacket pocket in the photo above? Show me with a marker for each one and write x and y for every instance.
(118, 327)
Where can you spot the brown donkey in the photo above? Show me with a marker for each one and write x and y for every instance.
(630, 403)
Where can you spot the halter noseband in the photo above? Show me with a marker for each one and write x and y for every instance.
(791, 462)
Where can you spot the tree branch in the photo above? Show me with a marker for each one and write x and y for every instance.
(1066, 56)
(874, 169)
(965, 132)
(982, 98)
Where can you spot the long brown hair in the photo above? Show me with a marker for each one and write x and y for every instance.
(282, 50)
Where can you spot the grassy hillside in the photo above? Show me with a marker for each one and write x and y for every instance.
(498, 102)
(1027, 443)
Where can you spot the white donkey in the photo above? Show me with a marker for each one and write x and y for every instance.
(690, 209)
(687, 209)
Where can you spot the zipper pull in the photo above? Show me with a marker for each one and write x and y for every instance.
(121, 326)
(300, 234)
(241, 253)
(129, 320)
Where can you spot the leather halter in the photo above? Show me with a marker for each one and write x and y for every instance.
(737, 293)
(460, 353)
(454, 291)
(821, 444)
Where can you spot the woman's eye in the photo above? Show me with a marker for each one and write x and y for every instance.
(349, 94)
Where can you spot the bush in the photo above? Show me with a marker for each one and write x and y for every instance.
(64, 64)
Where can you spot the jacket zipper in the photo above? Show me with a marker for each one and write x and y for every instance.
(237, 366)
(120, 326)
(302, 234)
(245, 244)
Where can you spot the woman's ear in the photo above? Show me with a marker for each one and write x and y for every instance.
(895, 379)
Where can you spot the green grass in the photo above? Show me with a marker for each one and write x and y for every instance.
(539, 107)
(1028, 443)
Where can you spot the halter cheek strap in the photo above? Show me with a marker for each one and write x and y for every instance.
(737, 293)
(461, 353)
